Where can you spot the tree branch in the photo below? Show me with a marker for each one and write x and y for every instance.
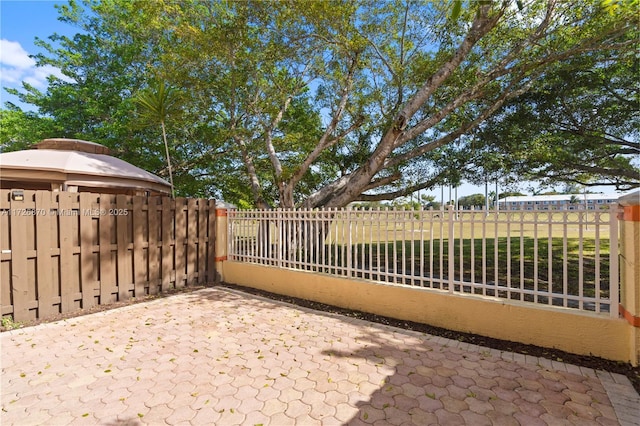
(401, 192)
(268, 138)
(256, 188)
(324, 141)
(481, 25)
(498, 102)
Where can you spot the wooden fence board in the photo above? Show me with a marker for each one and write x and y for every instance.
(167, 243)
(65, 251)
(202, 235)
(45, 219)
(154, 253)
(191, 229)
(68, 274)
(123, 261)
(139, 217)
(87, 282)
(180, 237)
(5, 255)
(107, 270)
(19, 292)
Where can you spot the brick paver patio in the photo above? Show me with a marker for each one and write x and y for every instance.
(219, 356)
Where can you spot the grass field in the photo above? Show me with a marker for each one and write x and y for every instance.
(530, 265)
(367, 227)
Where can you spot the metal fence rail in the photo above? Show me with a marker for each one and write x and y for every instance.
(557, 258)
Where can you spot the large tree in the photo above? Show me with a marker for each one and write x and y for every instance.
(318, 103)
(578, 125)
(19, 129)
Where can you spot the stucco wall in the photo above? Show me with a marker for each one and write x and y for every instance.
(565, 329)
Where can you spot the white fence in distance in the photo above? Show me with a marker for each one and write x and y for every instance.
(566, 259)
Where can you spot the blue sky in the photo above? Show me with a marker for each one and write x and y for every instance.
(21, 21)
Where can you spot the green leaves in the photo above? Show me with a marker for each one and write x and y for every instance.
(578, 124)
(19, 130)
(614, 7)
(455, 10)
(158, 103)
(316, 102)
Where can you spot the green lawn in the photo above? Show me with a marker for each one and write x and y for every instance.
(526, 269)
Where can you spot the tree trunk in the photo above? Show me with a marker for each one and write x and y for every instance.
(166, 149)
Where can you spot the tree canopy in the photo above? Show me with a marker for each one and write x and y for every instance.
(579, 125)
(322, 103)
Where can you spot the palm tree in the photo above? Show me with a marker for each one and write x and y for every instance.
(574, 199)
(157, 105)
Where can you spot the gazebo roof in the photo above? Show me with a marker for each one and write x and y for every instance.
(79, 163)
(78, 145)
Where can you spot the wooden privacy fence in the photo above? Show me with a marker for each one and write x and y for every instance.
(64, 251)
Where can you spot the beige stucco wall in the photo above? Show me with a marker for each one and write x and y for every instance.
(564, 329)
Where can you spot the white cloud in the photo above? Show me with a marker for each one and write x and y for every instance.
(16, 66)
(11, 76)
(12, 54)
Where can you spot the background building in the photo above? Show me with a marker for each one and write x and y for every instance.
(559, 202)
